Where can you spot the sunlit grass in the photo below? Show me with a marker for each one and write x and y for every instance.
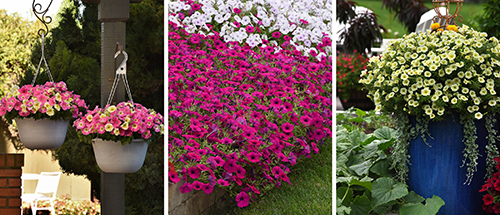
(311, 192)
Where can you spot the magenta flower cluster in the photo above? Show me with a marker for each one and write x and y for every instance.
(123, 122)
(239, 117)
(51, 100)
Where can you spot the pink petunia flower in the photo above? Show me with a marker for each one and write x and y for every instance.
(253, 157)
(186, 188)
(194, 172)
(197, 185)
(207, 188)
(242, 199)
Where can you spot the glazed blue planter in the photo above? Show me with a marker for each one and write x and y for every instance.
(436, 170)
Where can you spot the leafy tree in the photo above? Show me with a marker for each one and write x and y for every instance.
(73, 51)
(408, 12)
(489, 21)
(17, 36)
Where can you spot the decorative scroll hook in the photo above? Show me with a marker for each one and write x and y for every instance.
(43, 18)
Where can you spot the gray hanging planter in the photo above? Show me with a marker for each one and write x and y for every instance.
(113, 157)
(42, 133)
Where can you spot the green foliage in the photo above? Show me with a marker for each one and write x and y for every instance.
(17, 36)
(365, 178)
(488, 21)
(367, 121)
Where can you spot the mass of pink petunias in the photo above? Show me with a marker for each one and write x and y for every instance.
(239, 116)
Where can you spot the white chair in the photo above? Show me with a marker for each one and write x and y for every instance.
(27, 177)
(46, 190)
(426, 20)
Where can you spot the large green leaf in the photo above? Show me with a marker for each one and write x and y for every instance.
(384, 133)
(357, 137)
(431, 207)
(361, 206)
(387, 189)
(412, 197)
(342, 210)
(362, 168)
(365, 184)
(371, 150)
(346, 198)
(382, 168)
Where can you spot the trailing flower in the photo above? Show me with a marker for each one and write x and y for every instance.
(123, 122)
(51, 100)
(239, 118)
(429, 75)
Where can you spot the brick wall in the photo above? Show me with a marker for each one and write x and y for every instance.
(10, 183)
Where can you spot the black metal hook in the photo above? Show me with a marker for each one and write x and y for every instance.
(44, 19)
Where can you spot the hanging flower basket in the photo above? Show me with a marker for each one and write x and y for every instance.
(43, 133)
(42, 113)
(113, 157)
(124, 124)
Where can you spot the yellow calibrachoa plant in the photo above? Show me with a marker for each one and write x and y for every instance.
(430, 74)
(423, 77)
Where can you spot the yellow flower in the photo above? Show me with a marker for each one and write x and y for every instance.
(435, 26)
(451, 28)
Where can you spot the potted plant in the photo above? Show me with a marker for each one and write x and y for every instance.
(349, 90)
(441, 86)
(120, 135)
(41, 113)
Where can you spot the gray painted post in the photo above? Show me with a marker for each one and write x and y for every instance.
(113, 14)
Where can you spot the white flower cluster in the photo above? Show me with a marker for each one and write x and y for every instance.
(434, 72)
(306, 20)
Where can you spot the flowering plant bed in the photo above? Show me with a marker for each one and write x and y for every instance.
(121, 123)
(66, 206)
(349, 67)
(260, 22)
(239, 118)
(51, 100)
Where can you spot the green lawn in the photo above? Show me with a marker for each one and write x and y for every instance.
(386, 19)
(311, 192)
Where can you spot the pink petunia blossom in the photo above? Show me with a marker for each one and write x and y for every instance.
(242, 199)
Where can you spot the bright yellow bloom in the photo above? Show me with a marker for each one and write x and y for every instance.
(452, 28)
(435, 26)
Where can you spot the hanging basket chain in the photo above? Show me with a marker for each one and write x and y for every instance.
(42, 32)
(120, 74)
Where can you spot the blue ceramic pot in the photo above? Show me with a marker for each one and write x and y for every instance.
(436, 170)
